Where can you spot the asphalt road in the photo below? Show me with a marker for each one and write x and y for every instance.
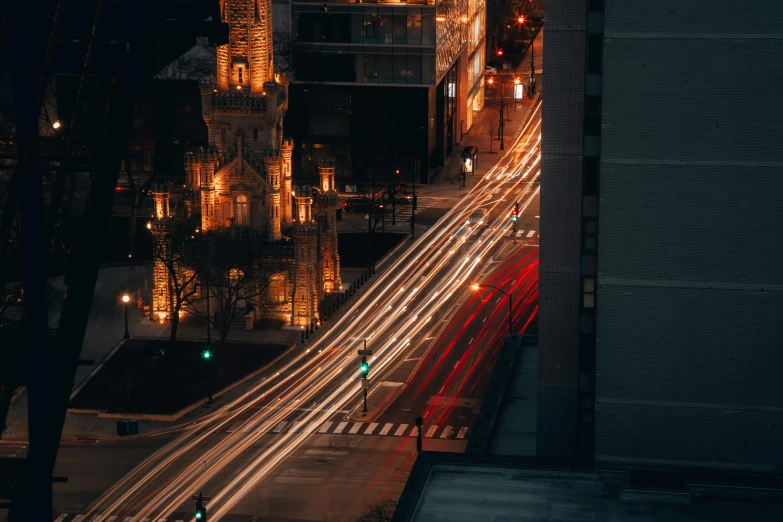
(265, 435)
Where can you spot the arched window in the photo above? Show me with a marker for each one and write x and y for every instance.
(243, 213)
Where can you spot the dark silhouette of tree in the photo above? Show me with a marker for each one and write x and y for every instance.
(383, 511)
(234, 275)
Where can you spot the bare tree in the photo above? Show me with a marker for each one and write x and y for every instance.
(198, 63)
(235, 276)
(182, 261)
(283, 44)
(383, 511)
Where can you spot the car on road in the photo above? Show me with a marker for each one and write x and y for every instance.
(477, 217)
(489, 70)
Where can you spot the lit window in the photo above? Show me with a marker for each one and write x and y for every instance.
(242, 215)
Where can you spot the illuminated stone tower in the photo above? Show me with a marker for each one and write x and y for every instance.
(160, 227)
(304, 233)
(244, 174)
(327, 204)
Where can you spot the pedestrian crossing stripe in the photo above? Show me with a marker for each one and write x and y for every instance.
(358, 428)
(530, 234)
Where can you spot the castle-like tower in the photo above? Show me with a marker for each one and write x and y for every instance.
(305, 234)
(160, 228)
(327, 203)
(242, 180)
(244, 177)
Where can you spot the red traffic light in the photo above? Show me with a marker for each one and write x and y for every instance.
(500, 52)
(514, 212)
(397, 171)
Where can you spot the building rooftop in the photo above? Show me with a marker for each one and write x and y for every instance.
(471, 488)
(501, 479)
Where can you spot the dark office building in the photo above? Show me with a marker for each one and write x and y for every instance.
(380, 86)
(661, 289)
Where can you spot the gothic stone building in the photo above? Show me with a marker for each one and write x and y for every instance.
(242, 181)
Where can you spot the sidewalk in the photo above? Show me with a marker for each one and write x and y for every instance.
(447, 181)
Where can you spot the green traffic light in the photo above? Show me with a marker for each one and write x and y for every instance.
(198, 515)
(514, 219)
(365, 368)
(206, 355)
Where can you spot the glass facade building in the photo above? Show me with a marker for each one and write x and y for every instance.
(403, 73)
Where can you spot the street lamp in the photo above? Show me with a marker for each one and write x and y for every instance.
(56, 125)
(476, 286)
(126, 300)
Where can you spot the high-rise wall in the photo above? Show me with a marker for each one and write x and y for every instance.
(668, 115)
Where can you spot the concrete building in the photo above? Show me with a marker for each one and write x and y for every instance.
(660, 280)
(241, 185)
(382, 85)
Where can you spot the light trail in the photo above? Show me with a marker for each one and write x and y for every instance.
(429, 277)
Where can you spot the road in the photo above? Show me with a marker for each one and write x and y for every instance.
(232, 450)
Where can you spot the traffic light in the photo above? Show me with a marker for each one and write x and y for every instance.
(365, 367)
(500, 51)
(206, 354)
(201, 511)
(515, 213)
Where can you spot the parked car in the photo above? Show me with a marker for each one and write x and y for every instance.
(490, 71)
(357, 204)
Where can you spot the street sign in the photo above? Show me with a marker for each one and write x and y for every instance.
(365, 352)
(365, 384)
(202, 498)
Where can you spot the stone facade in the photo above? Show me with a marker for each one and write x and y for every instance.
(242, 181)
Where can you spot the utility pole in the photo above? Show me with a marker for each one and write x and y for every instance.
(419, 424)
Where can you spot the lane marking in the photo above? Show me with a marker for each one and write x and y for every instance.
(461, 433)
(340, 427)
(325, 427)
(530, 234)
(484, 320)
(448, 432)
(279, 427)
(412, 359)
(371, 428)
(355, 428)
(471, 340)
(400, 430)
(386, 428)
(520, 233)
(431, 431)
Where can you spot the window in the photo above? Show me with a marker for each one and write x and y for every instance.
(414, 29)
(589, 235)
(255, 133)
(595, 5)
(595, 53)
(277, 289)
(240, 76)
(242, 214)
(590, 176)
(371, 28)
(593, 115)
(588, 292)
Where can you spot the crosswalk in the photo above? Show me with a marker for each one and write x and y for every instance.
(175, 517)
(523, 234)
(382, 429)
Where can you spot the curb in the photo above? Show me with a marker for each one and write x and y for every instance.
(377, 412)
(95, 370)
(102, 414)
(391, 252)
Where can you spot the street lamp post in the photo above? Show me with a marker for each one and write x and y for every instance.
(476, 286)
(125, 301)
(501, 124)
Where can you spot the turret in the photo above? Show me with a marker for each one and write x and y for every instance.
(327, 204)
(304, 232)
(192, 172)
(286, 151)
(273, 202)
(160, 194)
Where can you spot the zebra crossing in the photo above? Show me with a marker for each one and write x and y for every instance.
(523, 234)
(176, 517)
(382, 429)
